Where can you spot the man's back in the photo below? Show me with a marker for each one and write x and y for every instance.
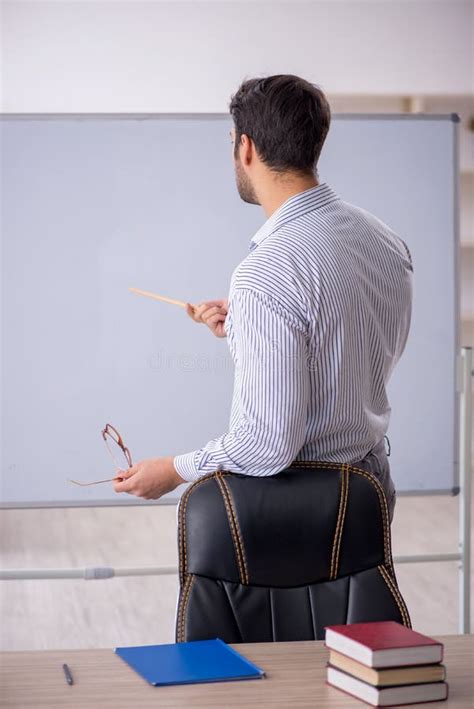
(318, 312)
(342, 278)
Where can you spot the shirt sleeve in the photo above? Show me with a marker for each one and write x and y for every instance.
(272, 382)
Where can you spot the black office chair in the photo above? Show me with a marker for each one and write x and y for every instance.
(279, 558)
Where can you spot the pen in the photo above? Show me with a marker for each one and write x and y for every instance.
(68, 674)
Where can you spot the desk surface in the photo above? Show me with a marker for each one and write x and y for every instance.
(295, 676)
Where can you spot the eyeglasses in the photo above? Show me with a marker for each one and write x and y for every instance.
(118, 452)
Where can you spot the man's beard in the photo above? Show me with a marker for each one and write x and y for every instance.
(244, 186)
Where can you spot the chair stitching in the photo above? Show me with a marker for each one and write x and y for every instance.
(186, 602)
(230, 519)
(380, 492)
(239, 536)
(232, 525)
(181, 542)
(182, 524)
(180, 610)
(345, 474)
(178, 619)
(182, 515)
(402, 601)
(393, 591)
(182, 518)
(183, 606)
(396, 595)
(312, 464)
(385, 518)
(336, 531)
(308, 464)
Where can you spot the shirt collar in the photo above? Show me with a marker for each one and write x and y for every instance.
(295, 206)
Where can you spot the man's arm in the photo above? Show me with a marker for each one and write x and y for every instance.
(272, 381)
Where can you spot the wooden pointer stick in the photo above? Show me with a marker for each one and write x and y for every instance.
(181, 303)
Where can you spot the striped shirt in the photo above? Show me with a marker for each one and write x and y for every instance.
(318, 316)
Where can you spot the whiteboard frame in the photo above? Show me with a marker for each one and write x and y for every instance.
(451, 117)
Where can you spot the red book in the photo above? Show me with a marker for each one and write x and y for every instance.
(384, 644)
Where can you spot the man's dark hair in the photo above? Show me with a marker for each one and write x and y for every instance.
(287, 118)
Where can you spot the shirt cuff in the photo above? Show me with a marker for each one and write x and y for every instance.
(186, 467)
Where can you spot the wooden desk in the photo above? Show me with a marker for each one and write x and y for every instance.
(295, 677)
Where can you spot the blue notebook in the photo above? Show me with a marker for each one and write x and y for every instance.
(186, 663)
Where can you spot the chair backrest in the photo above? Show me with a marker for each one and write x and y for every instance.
(281, 557)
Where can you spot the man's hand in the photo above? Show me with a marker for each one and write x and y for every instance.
(149, 479)
(212, 313)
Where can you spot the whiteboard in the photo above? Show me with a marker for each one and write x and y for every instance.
(95, 204)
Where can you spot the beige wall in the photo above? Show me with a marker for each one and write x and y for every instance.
(107, 56)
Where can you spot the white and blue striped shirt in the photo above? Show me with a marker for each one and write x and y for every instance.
(319, 313)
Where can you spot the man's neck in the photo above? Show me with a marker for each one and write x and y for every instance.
(273, 195)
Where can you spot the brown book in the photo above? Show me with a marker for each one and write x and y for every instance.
(388, 677)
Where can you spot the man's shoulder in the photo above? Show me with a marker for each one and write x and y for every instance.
(260, 278)
(385, 234)
(269, 270)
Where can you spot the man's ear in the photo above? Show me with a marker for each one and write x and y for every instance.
(246, 149)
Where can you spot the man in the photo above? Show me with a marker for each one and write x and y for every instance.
(318, 312)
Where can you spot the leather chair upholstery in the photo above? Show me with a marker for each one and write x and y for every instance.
(279, 558)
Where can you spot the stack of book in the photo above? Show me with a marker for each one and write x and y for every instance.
(385, 664)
